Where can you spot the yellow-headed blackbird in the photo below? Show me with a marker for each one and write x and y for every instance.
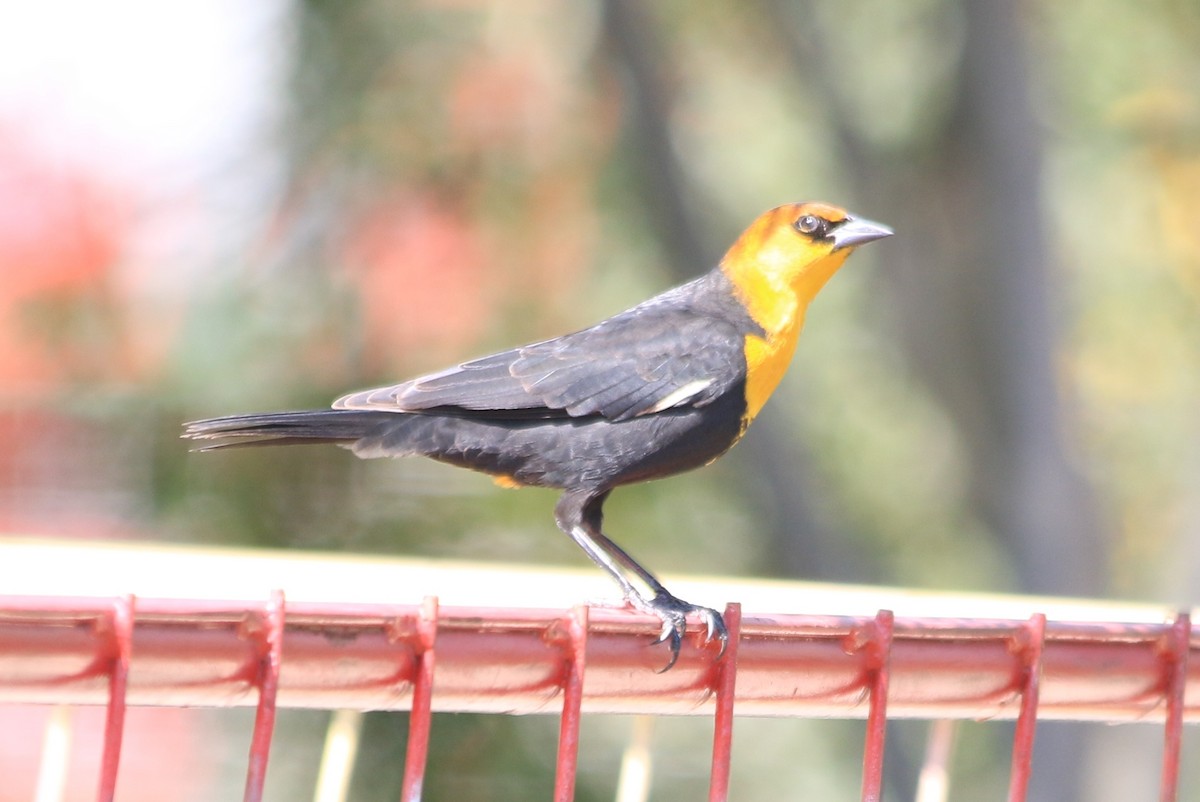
(666, 386)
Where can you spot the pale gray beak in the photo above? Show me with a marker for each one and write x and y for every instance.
(853, 232)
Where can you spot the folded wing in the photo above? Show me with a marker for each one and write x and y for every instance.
(643, 361)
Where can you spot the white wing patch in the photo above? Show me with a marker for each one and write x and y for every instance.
(679, 396)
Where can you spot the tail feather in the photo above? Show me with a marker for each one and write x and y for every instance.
(284, 428)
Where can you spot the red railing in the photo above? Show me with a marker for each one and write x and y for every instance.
(427, 657)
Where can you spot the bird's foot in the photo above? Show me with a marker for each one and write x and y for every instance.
(674, 612)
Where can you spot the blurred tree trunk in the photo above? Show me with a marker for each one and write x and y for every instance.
(1006, 395)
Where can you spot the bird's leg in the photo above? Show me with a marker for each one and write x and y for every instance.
(579, 515)
(571, 520)
(670, 608)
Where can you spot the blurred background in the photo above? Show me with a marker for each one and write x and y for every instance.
(210, 207)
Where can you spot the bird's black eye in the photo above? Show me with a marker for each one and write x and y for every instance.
(812, 225)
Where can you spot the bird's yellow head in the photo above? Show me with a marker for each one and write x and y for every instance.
(776, 267)
(788, 254)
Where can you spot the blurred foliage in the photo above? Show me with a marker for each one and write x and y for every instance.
(460, 176)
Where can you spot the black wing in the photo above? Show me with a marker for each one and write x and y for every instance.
(656, 356)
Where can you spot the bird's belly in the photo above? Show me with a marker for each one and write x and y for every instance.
(577, 452)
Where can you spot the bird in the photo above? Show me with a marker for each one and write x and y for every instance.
(666, 386)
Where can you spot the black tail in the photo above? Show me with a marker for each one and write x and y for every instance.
(284, 428)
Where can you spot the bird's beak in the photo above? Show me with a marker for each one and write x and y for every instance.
(855, 231)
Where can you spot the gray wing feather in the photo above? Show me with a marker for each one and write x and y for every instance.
(642, 361)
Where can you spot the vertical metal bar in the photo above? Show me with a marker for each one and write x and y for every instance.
(420, 718)
(726, 687)
(637, 768)
(270, 639)
(337, 758)
(56, 757)
(568, 731)
(934, 783)
(1178, 646)
(879, 649)
(120, 647)
(1031, 637)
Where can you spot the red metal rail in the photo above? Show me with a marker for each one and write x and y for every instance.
(53, 650)
(322, 654)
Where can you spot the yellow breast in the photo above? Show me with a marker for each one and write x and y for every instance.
(766, 362)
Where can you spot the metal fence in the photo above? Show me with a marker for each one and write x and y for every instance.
(1073, 661)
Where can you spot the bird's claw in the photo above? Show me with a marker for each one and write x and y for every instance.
(673, 612)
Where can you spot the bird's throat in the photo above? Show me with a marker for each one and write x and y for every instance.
(778, 305)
